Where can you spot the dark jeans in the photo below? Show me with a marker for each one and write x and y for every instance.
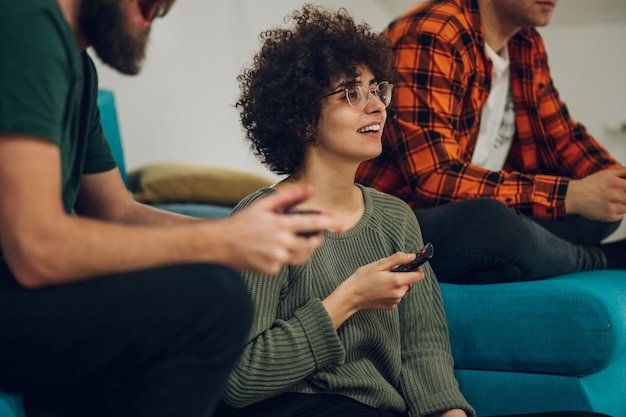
(482, 241)
(329, 405)
(305, 405)
(558, 414)
(153, 343)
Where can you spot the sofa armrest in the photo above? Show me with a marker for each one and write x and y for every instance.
(573, 324)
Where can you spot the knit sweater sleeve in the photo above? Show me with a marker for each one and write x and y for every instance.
(428, 383)
(280, 351)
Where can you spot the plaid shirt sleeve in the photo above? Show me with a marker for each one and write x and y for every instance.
(551, 144)
(443, 83)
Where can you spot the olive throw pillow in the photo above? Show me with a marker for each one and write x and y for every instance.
(193, 183)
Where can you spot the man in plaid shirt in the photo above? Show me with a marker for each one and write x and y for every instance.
(503, 181)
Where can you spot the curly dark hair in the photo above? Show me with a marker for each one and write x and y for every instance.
(280, 100)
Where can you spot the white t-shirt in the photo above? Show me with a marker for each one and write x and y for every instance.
(497, 122)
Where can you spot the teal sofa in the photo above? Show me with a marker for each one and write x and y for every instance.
(550, 345)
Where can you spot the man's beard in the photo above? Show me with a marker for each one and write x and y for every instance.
(105, 27)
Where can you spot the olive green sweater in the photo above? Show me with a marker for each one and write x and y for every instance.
(397, 360)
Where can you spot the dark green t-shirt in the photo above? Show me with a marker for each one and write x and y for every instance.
(48, 89)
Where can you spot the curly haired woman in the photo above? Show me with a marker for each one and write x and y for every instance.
(341, 335)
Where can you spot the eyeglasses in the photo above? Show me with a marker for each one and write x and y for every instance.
(358, 95)
(164, 8)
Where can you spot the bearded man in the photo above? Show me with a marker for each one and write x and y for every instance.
(109, 307)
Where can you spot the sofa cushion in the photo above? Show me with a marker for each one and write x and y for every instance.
(570, 325)
(10, 405)
(193, 183)
(206, 211)
(111, 129)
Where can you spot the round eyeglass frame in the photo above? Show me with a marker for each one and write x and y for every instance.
(375, 89)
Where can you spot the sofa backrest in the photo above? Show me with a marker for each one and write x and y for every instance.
(110, 125)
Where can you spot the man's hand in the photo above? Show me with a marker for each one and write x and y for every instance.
(262, 238)
(600, 196)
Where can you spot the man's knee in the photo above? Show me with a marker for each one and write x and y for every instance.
(468, 220)
(203, 307)
(487, 208)
(216, 299)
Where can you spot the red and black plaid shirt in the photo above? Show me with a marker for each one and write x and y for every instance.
(444, 82)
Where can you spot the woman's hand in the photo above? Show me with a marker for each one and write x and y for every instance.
(457, 412)
(372, 287)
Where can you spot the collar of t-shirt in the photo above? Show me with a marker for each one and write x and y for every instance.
(497, 121)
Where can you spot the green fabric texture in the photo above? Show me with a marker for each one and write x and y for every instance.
(396, 360)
